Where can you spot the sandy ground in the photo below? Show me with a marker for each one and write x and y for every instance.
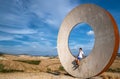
(48, 68)
(32, 76)
(41, 75)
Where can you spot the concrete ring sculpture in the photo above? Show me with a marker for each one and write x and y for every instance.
(106, 40)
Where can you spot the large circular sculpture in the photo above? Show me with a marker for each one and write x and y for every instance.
(106, 40)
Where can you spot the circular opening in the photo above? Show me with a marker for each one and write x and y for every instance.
(81, 36)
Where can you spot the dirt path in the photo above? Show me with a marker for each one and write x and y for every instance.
(40, 75)
(33, 76)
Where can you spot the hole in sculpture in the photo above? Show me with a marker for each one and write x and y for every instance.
(81, 36)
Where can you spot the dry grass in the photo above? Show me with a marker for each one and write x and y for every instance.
(49, 67)
(110, 75)
(34, 62)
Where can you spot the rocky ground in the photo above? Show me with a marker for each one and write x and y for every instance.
(31, 67)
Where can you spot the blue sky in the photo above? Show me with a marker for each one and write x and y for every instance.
(31, 26)
(82, 35)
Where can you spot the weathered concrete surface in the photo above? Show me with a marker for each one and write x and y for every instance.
(106, 40)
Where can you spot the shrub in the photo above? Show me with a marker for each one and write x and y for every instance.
(2, 70)
(1, 54)
(52, 57)
(1, 67)
(61, 68)
(48, 70)
(10, 70)
(114, 70)
(35, 62)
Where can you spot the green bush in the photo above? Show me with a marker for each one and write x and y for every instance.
(48, 70)
(1, 54)
(114, 70)
(52, 57)
(61, 68)
(2, 70)
(1, 67)
(10, 70)
(35, 62)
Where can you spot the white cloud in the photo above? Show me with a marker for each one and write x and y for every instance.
(18, 36)
(20, 19)
(90, 32)
(24, 31)
(52, 12)
(3, 38)
(23, 12)
(9, 37)
(32, 48)
(50, 21)
(87, 47)
(42, 39)
(17, 30)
